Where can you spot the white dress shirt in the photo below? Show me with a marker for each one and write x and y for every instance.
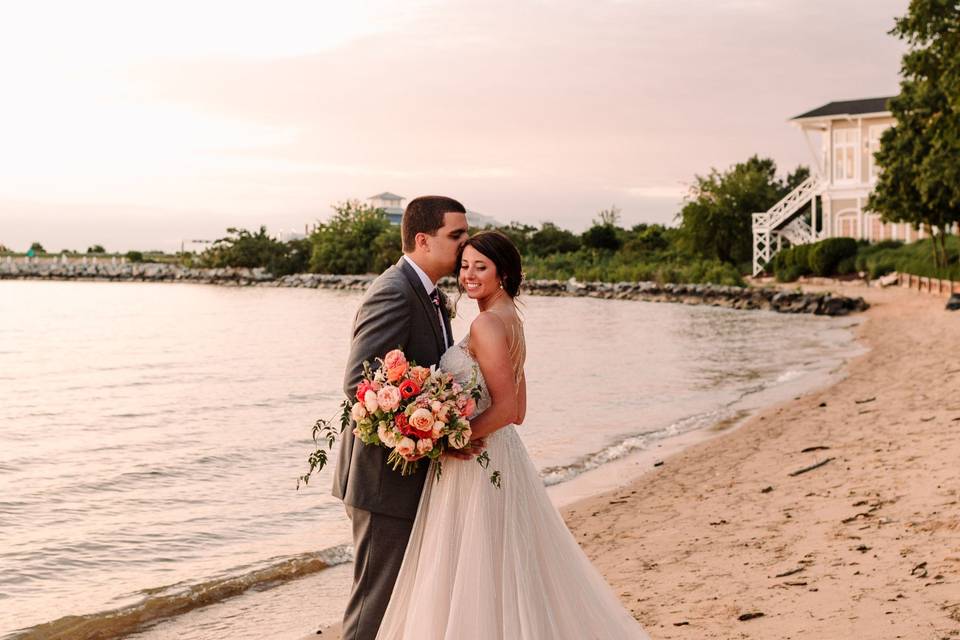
(429, 286)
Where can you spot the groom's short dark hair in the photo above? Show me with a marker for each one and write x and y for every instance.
(425, 215)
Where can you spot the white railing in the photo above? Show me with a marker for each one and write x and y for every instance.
(781, 212)
(783, 221)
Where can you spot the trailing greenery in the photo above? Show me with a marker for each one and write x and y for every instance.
(843, 256)
(920, 178)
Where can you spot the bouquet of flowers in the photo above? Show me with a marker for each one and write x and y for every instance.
(415, 412)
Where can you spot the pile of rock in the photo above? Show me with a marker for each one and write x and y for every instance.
(715, 295)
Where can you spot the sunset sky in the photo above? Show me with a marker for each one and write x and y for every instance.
(137, 124)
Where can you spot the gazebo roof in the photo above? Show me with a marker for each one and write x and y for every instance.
(386, 195)
(848, 108)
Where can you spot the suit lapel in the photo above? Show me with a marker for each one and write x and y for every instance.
(426, 303)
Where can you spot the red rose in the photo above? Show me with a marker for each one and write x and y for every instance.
(363, 387)
(409, 388)
(402, 424)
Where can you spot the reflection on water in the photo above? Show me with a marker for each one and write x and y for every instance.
(151, 434)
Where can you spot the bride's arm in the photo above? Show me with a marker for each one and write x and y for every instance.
(488, 342)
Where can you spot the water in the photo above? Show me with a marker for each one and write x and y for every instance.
(151, 434)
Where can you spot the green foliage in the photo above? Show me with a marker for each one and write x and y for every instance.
(550, 239)
(826, 257)
(357, 239)
(134, 256)
(251, 250)
(97, 248)
(521, 235)
(716, 219)
(36, 247)
(603, 237)
(842, 256)
(920, 178)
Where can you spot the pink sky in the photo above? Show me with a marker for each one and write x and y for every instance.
(136, 125)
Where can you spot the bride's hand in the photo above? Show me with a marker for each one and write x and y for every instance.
(470, 451)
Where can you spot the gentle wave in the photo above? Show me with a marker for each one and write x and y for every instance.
(563, 473)
(159, 603)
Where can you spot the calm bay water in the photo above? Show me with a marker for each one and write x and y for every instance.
(151, 434)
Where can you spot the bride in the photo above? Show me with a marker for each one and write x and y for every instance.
(488, 563)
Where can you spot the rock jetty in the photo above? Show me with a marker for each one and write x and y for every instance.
(771, 299)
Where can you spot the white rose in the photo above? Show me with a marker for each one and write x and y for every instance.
(358, 412)
(406, 447)
(370, 401)
(385, 435)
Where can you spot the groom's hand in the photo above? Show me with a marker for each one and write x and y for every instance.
(470, 451)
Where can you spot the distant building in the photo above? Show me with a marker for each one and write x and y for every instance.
(842, 138)
(391, 203)
(393, 206)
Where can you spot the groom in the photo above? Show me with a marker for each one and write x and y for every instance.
(403, 308)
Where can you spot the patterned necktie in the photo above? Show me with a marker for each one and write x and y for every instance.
(435, 296)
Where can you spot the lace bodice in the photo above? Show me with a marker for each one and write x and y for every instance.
(458, 362)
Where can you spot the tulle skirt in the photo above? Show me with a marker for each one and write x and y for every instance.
(485, 563)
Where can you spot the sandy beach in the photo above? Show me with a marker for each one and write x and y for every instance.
(722, 541)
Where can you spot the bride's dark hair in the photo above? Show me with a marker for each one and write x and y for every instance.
(500, 250)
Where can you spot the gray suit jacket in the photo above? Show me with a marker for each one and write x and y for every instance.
(395, 313)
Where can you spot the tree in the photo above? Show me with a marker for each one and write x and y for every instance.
(97, 248)
(716, 220)
(521, 235)
(36, 247)
(241, 248)
(551, 239)
(354, 240)
(919, 182)
(609, 217)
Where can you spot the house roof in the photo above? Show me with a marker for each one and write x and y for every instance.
(386, 195)
(848, 108)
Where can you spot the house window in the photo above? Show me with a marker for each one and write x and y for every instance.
(873, 146)
(844, 154)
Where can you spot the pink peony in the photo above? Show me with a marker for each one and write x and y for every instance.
(424, 446)
(388, 398)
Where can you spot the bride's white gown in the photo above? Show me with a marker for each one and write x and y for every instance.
(485, 563)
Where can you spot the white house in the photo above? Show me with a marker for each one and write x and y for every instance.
(391, 203)
(842, 138)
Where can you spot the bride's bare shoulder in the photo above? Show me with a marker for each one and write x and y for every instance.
(487, 327)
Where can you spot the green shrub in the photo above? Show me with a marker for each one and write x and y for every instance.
(826, 256)
(134, 256)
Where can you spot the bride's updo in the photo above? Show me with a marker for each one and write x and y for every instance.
(500, 250)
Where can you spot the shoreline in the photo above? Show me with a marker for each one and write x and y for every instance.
(745, 298)
(864, 545)
(833, 514)
(623, 475)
